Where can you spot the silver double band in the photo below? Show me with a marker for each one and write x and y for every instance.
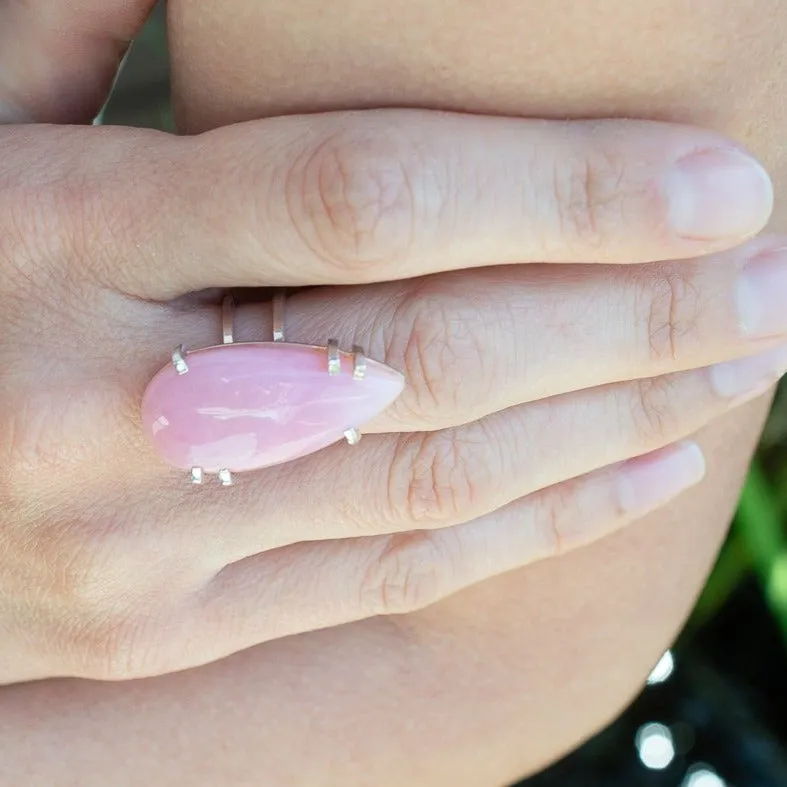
(228, 318)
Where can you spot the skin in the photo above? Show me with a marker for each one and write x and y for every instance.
(501, 679)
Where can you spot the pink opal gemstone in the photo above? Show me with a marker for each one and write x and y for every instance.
(251, 405)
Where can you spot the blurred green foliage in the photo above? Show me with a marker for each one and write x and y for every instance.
(758, 539)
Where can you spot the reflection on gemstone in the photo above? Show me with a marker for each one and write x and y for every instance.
(252, 405)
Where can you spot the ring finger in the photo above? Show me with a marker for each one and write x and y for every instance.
(398, 483)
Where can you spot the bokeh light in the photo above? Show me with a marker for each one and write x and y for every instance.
(703, 776)
(655, 746)
(663, 670)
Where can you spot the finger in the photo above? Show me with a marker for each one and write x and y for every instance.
(470, 344)
(57, 60)
(477, 342)
(398, 483)
(361, 197)
(311, 586)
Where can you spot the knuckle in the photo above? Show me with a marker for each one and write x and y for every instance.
(29, 227)
(410, 573)
(117, 630)
(66, 221)
(77, 586)
(90, 606)
(434, 338)
(48, 437)
(352, 199)
(118, 644)
(81, 578)
(555, 514)
(435, 479)
(58, 220)
(593, 200)
(653, 410)
(668, 306)
(29, 449)
(92, 228)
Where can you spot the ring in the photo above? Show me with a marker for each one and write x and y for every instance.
(239, 406)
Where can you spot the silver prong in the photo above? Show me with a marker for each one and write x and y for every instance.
(359, 363)
(278, 316)
(225, 477)
(228, 319)
(196, 475)
(334, 359)
(179, 359)
(353, 436)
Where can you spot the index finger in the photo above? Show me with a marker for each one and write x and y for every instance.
(352, 198)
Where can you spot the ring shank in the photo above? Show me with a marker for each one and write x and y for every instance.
(279, 300)
(228, 318)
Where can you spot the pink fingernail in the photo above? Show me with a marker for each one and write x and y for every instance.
(717, 194)
(745, 378)
(761, 295)
(252, 405)
(649, 481)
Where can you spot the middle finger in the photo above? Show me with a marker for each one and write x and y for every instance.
(476, 342)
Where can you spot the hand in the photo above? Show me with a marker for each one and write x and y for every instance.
(106, 580)
(529, 388)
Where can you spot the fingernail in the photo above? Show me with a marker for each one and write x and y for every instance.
(649, 481)
(716, 194)
(748, 377)
(761, 295)
(247, 406)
